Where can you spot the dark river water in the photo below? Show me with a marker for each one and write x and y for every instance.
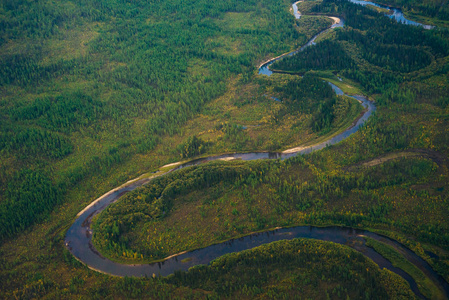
(79, 237)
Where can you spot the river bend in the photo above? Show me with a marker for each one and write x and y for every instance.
(79, 236)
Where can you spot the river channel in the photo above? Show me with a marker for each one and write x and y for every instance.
(79, 236)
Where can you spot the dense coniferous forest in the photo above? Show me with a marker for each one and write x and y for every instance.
(95, 93)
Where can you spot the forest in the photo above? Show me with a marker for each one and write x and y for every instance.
(94, 94)
(132, 82)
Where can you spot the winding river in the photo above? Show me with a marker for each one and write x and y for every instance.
(79, 236)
